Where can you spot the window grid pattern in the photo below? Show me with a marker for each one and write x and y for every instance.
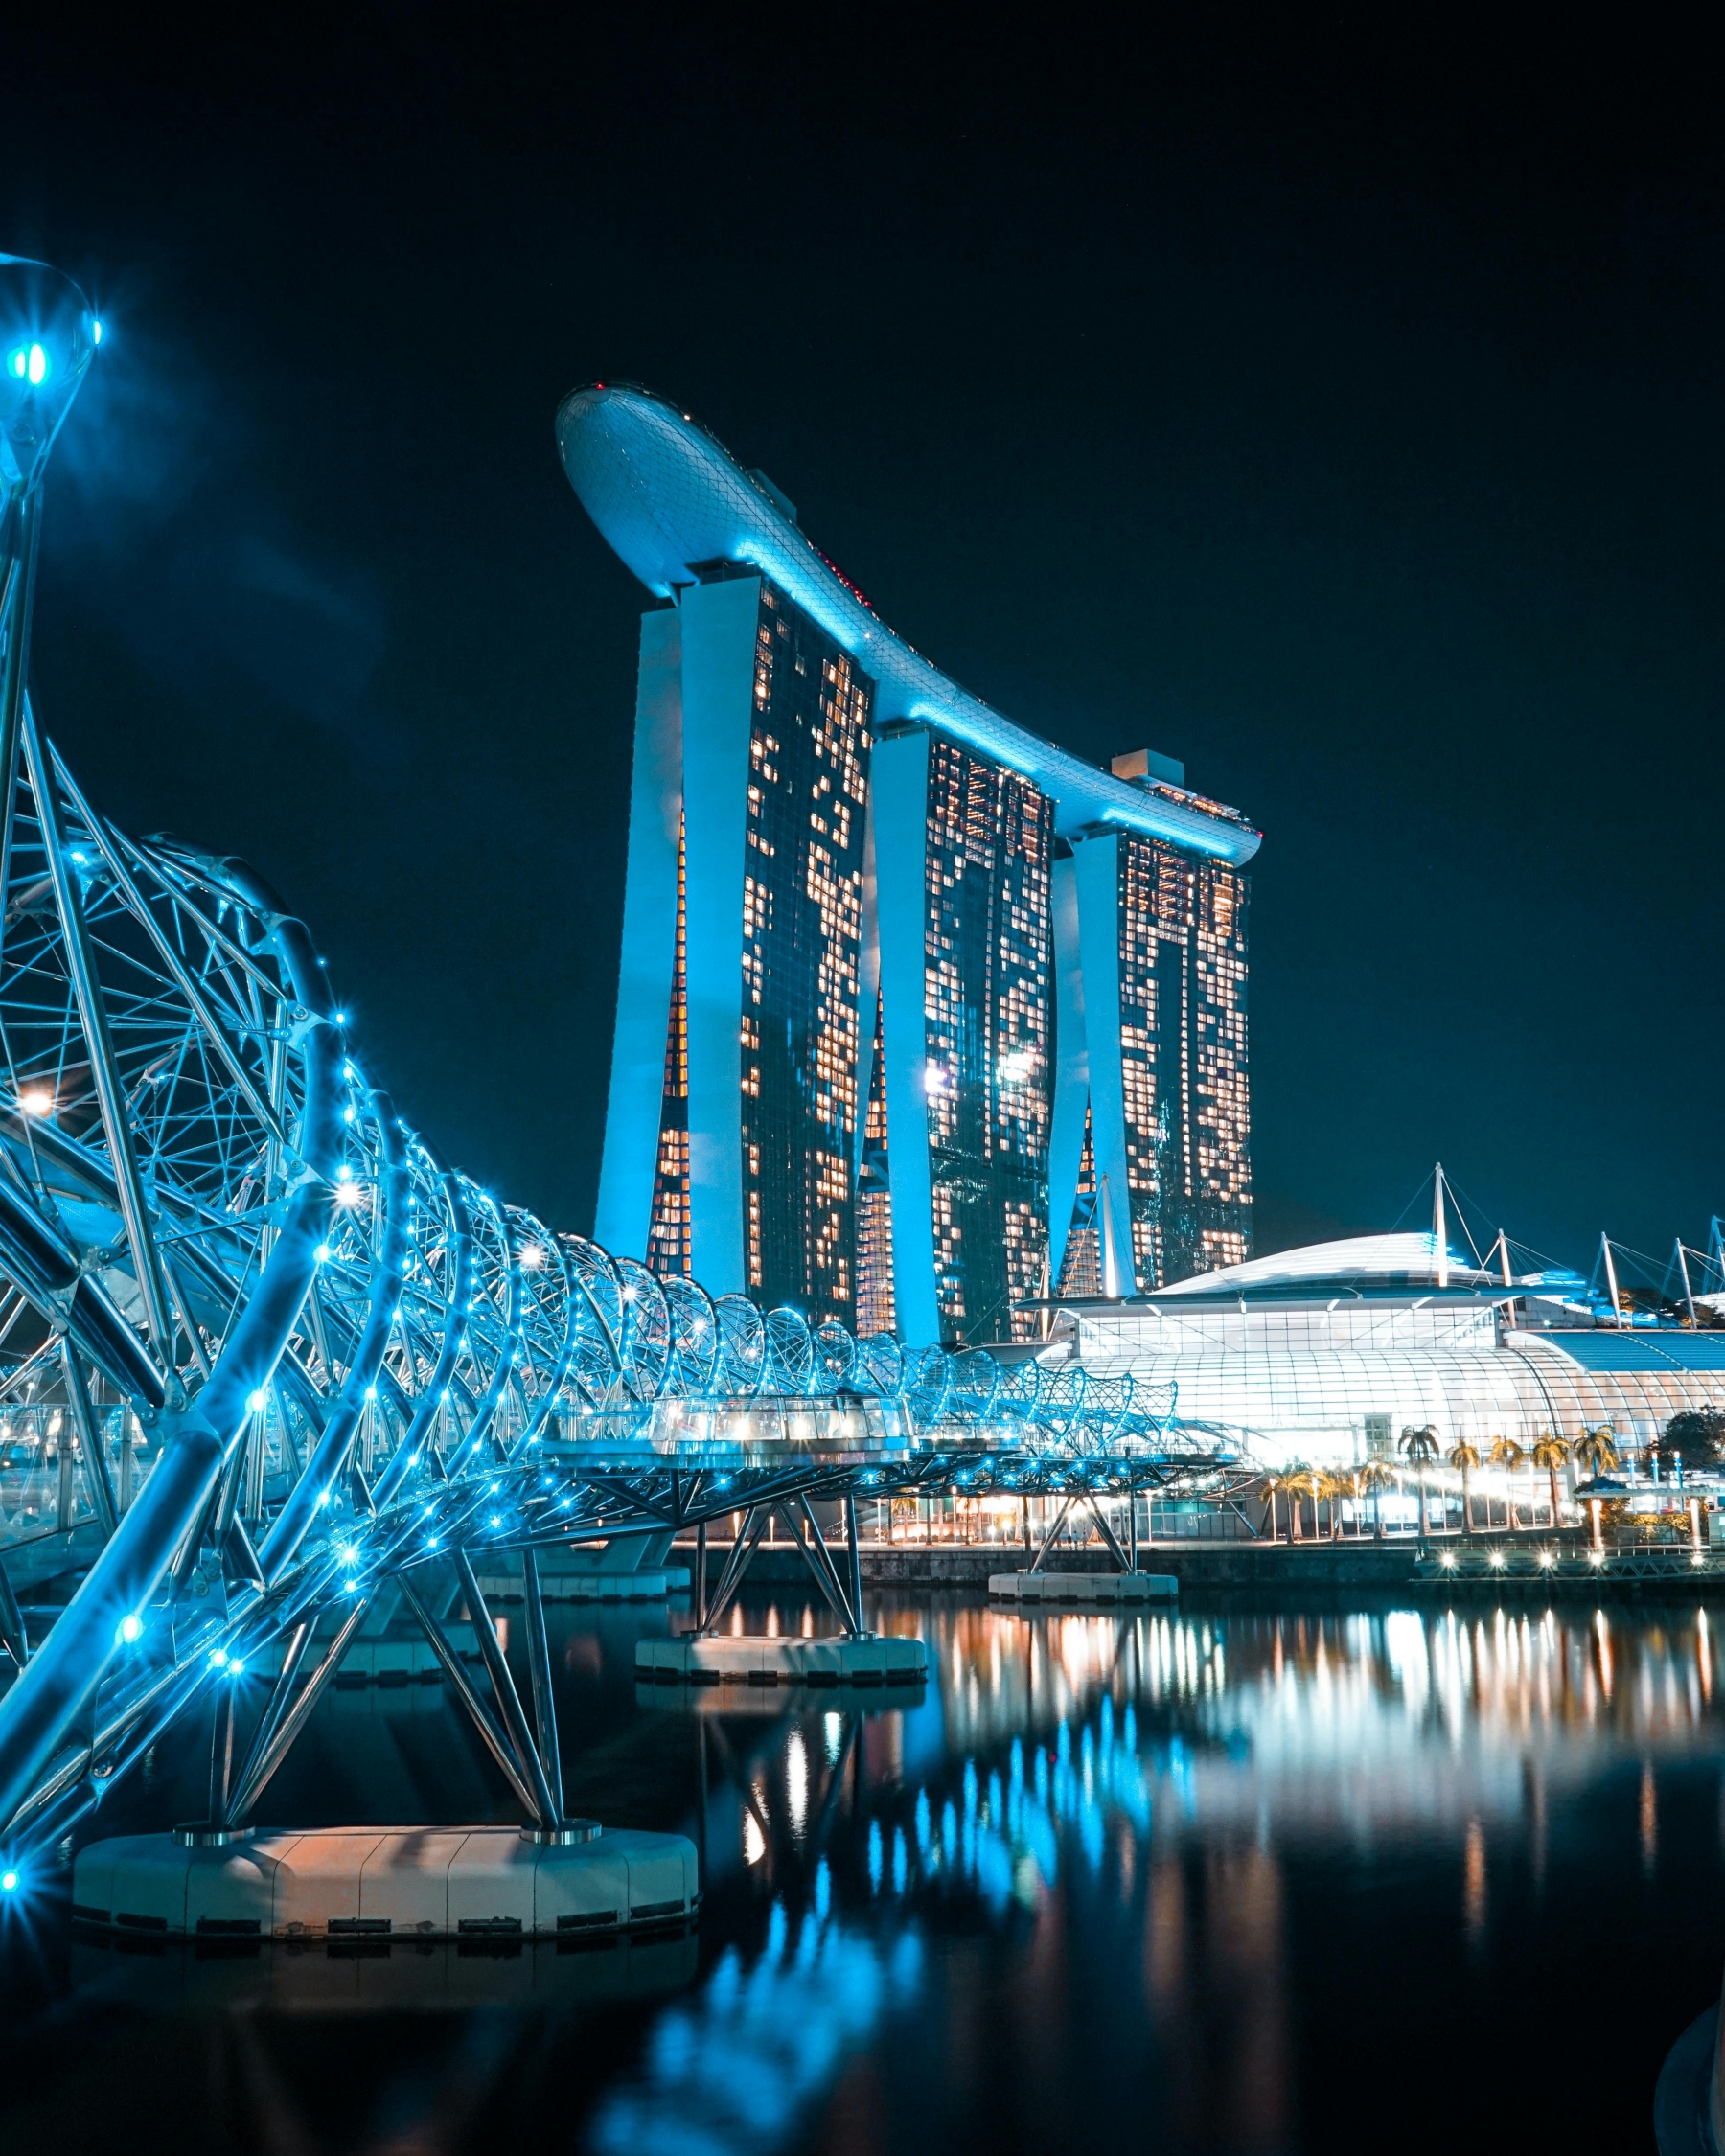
(1081, 1261)
(877, 1308)
(668, 1247)
(1320, 1387)
(803, 922)
(1183, 959)
(986, 1012)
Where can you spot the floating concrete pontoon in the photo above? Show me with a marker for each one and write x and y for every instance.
(1085, 1587)
(378, 1882)
(726, 1659)
(793, 1696)
(589, 1587)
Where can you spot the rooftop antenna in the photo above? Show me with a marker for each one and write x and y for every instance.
(1611, 1279)
(1502, 1254)
(1440, 1230)
(1688, 1293)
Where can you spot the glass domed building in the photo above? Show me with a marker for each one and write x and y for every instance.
(1327, 1354)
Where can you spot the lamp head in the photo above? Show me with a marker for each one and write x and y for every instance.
(48, 337)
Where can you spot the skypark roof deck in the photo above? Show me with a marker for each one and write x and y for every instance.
(667, 495)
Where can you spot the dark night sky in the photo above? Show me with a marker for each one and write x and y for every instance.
(1342, 416)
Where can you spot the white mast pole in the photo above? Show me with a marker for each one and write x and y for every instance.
(1439, 1231)
(1616, 1303)
(1688, 1293)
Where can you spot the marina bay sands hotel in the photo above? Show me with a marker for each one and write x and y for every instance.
(920, 1018)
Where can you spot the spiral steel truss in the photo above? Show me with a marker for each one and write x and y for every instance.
(261, 1345)
(262, 1349)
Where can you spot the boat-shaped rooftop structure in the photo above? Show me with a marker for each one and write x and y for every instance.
(672, 501)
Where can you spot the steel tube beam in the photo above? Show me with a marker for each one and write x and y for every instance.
(478, 1713)
(544, 1805)
(544, 1696)
(294, 1720)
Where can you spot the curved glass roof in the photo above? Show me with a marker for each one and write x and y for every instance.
(1357, 1265)
(667, 495)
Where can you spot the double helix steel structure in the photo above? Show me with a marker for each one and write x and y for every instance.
(263, 1348)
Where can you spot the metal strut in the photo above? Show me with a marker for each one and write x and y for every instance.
(1066, 1505)
(1108, 1536)
(742, 1550)
(544, 1698)
(545, 1806)
(478, 1713)
(266, 1761)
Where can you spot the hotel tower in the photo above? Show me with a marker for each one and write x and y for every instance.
(920, 1018)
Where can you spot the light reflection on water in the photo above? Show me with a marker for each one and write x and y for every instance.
(1196, 1880)
(1125, 1794)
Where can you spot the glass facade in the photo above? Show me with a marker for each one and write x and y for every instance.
(1182, 954)
(1334, 1384)
(1081, 1266)
(801, 940)
(876, 1305)
(987, 1013)
(668, 1240)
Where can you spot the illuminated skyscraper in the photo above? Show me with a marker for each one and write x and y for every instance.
(898, 978)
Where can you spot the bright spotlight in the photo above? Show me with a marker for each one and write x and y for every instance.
(38, 1102)
(96, 331)
(131, 1628)
(9, 1882)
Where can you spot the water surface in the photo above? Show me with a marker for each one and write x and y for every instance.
(1220, 1881)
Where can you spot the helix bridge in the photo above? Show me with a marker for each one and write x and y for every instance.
(263, 1351)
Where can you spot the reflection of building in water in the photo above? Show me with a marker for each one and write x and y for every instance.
(1327, 1354)
(1123, 1796)
(1354, 1724)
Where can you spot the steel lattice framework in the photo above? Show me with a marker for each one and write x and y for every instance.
(262, 1347)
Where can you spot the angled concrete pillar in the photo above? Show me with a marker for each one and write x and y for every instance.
(719, 625)
(1097, 866)
(1071, 1064)
(899, 791)
(631, 1116)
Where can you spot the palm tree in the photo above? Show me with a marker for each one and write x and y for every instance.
(1312, 1483)
(1273, 1483)
(1375, 1476)
(1596, 1449)
(1336, 1487)
(1551, 1453)
(1419, 1448)
(1465, 1456)
(1507, 1454)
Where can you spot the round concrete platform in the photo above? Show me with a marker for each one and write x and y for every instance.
(732, 1658)
(382, 1882)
